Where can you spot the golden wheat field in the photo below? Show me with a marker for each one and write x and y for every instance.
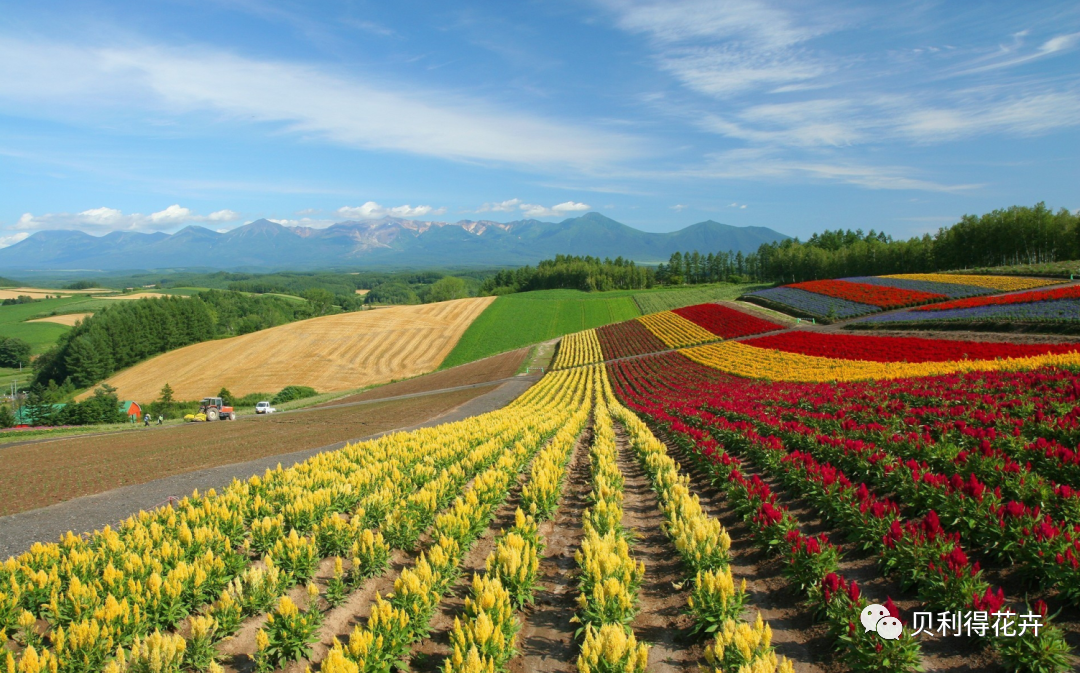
(68, 319)
(337, 352)
(41, 292)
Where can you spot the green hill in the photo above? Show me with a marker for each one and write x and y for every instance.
(517, 320)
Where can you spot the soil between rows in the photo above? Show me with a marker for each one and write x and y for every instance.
(546, 640)
(952, 655)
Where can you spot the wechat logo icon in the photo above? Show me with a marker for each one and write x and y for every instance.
(877, 618)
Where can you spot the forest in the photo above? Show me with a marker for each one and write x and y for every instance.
(130, 332)
(1016, 235)
(571, 272)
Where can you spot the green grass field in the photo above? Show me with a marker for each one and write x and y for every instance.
(654, 301)
(517, 320)
(40, 335)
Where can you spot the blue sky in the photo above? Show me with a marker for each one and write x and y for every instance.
(798, 116)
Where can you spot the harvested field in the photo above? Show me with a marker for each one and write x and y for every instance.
(43, 473)
(362, 292)
(337, 352)
(40, 292)
(482, 371)
(68, 319)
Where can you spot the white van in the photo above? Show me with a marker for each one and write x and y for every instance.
(264, 408)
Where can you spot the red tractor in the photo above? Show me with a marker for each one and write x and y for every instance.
(216, 410)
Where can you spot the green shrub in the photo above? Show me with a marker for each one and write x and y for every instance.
(290, 393)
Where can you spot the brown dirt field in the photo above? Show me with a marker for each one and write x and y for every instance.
(362, 292)
(44, 473)
(482, 371)
(68, 319)
(337, 352)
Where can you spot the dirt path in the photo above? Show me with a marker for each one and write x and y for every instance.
(661, 622)
(795, 635)
(546, 641)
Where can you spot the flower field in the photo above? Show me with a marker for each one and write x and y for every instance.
(726, 322)
(858, 296)
(1057, 308)
(681, 457)
(874, 295)
(624, 339)
(675, 330)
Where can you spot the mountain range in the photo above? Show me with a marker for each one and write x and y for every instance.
(387, 242)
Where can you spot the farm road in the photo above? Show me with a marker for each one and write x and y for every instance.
(19, 531)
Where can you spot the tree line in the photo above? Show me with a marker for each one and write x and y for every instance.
(1016, 235)
(571, 272)
(129, 332)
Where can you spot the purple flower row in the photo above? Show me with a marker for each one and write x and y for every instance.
(814, 304)
(951, 290)
(1061, 310)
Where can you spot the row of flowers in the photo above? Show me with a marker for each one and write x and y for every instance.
(674, 330)
(900, 349)
(810, 304)
(953, 290)
(577, 349)
(628, 338)
(1059, 311)
(811, 563)
(112, 589)
(883, 297)
(920, 552)
(726, 322)
(608, 575)
(994, 283)
(748, 361)
(1072, 292)
(716, 603)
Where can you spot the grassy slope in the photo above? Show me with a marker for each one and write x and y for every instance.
(654, 301)
(40, 335)
(517, 320)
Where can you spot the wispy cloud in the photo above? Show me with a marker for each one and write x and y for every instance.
(532, 209)
(307, 99)
(678, 207)
(111, 219)
(12, 239)
(373, 211)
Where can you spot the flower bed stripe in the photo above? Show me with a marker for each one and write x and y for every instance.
(900, 349)
(954, 290)
(1000, 283)
(675, 330)
(726, 322)
(624, 339)
(863, 293)
(1072, 292)
(748, 361)
(816, 305)
(1059, 311)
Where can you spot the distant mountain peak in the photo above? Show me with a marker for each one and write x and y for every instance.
(387, 241)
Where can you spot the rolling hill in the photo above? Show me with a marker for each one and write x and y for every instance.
(338, 352)
(386, 242)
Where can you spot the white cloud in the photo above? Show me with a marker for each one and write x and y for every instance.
(678, 207)
(558, 210)
(508, 206)
(77, 83)
(104, 219)
(303, 222)
(740, 206)
(532, 209)
(373, 211)
(12, 239)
